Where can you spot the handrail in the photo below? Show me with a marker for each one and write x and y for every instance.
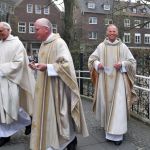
(140, 110)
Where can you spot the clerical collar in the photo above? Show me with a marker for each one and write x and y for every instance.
(48, 38)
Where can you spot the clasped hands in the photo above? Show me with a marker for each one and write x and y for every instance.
(117, 66)
(37, 66)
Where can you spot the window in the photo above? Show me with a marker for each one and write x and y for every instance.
(46, 10)
(108, 21)
(92, 35)
(127, 38)
(22, 27)
(35, 46)
(134, 10)
(126, 22)
(29, 8)
(106, 7)
(137, 38)
(92, 20)
(37, 9)
(147, 24)
(75, 21)
(144, 10)
(3, 7)
(137, 23)
(54, 28)
(124, 10)
(91, 5)
(31, 27)
(147, 39)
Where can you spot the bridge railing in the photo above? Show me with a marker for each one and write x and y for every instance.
(140, 109)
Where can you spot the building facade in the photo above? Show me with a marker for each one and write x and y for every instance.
(91, 18)
(24, 16)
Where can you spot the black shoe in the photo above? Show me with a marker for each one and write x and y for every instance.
(28, 128)
(117, 142)
(4, 140)
(72, 145)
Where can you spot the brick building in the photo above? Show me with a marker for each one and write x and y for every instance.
(91, 17)
(25, 15)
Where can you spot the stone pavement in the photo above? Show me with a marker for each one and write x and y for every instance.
(137, 138)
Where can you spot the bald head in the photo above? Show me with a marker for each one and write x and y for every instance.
(112, 32)
(5, 25)
(112, 26)
(43, 22)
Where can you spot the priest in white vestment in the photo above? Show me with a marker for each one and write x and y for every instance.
(17, 85)
(113, 68)
(58, 113)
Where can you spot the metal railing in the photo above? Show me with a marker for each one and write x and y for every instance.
(140, 109)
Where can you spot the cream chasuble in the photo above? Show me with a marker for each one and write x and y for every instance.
(114, 89)
(58, 109)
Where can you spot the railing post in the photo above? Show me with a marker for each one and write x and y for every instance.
(81, 74)
(149, 100)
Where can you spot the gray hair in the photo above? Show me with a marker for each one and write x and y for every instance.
(44, 23)
(7, 26)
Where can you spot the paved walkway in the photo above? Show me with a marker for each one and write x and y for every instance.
(137, 138)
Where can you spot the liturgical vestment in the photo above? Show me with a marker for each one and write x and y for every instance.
(114, 91)
(58, 112)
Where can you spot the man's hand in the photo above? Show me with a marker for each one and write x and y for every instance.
(37, 66)
(100, 66)
(32, 65)
(41, 67)
(118, 66)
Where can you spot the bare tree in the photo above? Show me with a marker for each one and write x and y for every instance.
(68, 21)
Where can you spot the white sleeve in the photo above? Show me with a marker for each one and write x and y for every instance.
(96, 63)
(1, 74)
(123, 69)
(51, 70)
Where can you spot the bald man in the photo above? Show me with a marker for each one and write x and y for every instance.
(16, 85)
(116, 68)
(58, 113)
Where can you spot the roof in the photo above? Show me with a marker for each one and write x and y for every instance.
(11, 2)
(99, 6)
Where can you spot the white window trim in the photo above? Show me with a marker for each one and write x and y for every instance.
(92, 20)
(37, 10)
(134, 10)
(106, 7)
(137, 35)
(91, 5)
(46, 10)
(31, 28)
(55, 28)
(129, 37)
(147, 26)
(22, 27)
(137, 24)
(146, 36)
(107, 21)
(93, 38)
(126, 22)
(31, 11)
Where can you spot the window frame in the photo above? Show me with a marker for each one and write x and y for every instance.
(93, 37)
(38, 9)
(21, 27)
(31, 11)
(127, 38)
(92, 20)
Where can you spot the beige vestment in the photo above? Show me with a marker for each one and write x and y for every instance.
(114, 91)
(16, 81)
(58, 110)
